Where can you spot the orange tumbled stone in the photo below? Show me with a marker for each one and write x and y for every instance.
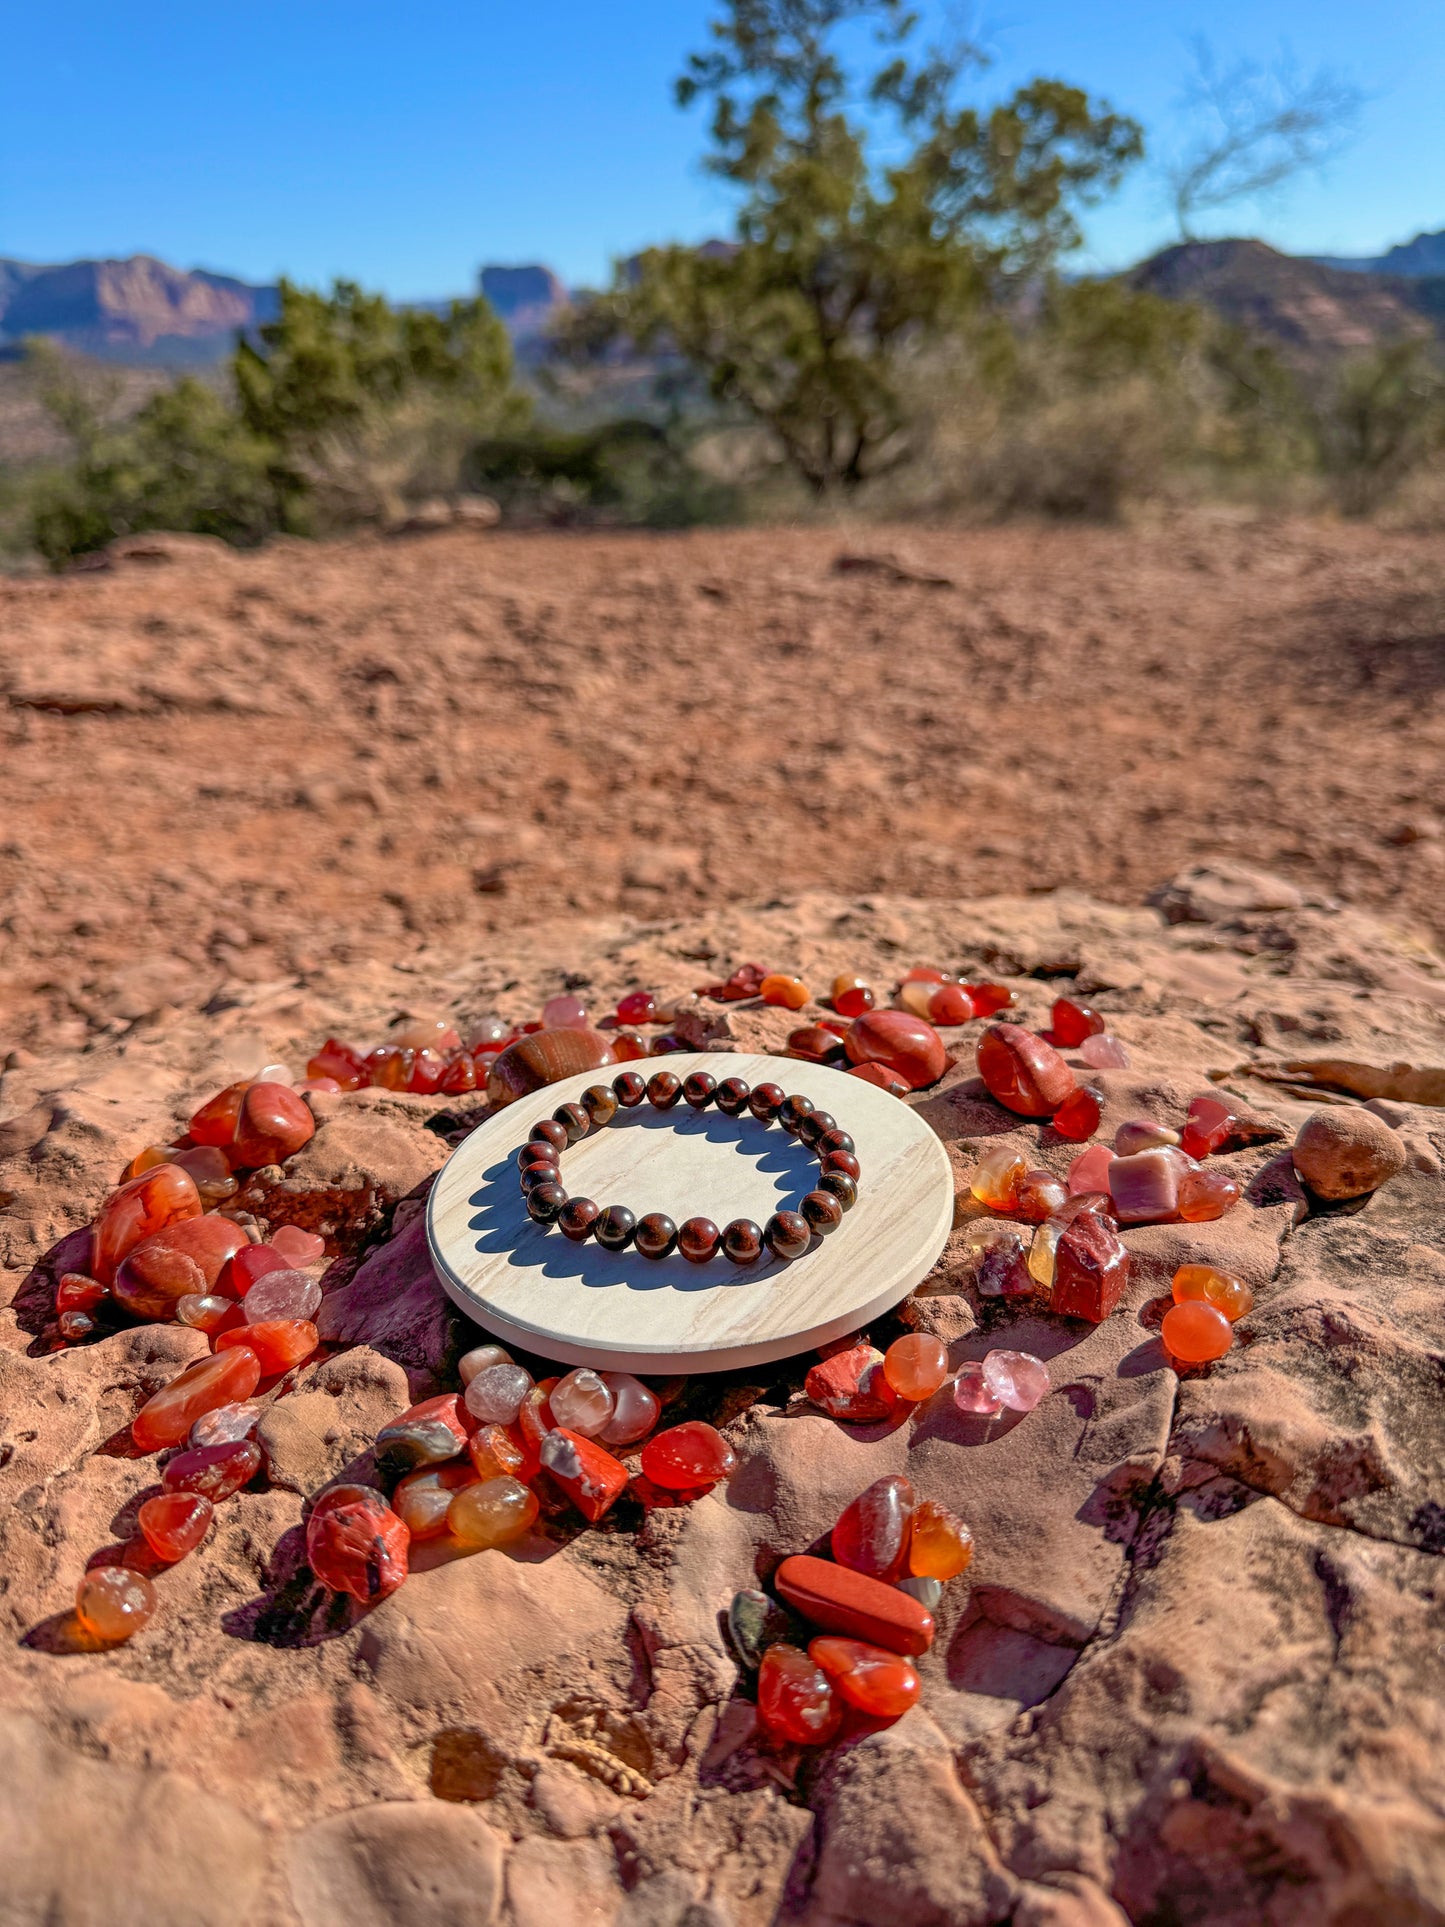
(340, 1062)
(941, 1545)
(273, 1124)
(215, 1122)
(903, 1043)
(791, 993)
(491, 1512)
(423, 1498)
(162, 1196)
(916, 1365)
(1022, 1072)
(184, 1258)
(112, 1602)
(950, 1004)
(797, 1703)
(175, 1523)
(841, 1601)
(1208, 1284)
(1205, 1195)
(882, 1078)
(871, 1535)
(1195, 1332)
(277, 1343)
(852, 996)
(355, 1543)
(880, 1683)
(166, 1419)
(496, 1454)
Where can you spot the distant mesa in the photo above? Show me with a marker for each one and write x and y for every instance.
(526, 298)
(139, 310)
(1425, 255)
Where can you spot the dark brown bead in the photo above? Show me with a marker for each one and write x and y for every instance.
(549, 1131)
(663, 1090)
(577, 1217)
(668, 1045)
(545, 1202)
(614, 1229)
(816, 1125)
(656, 1235)
(575, 1121)
(839, 1185)
(600, 1104)
(787, 1234)
(843, 1161)
(834, 1140)
(699, 1240)
(732, 1096)
(742, 1241)
(699, 1089)
(629, 1089)
(538, 1150)
(764, 1104)
(823, 1212)
(536, 1174)
(791, 1113)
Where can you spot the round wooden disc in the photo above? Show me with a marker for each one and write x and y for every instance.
(585, 1306)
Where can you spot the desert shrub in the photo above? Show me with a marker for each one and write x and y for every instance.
(1380, 420)
(630, 472)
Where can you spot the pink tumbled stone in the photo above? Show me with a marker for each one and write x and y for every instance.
(1016, 1379)
(635, 1409)
(1090, 1170)
(281, 1294)
(298, 1247)
(228, 1424)
(1142, 1134)
(564, 1013)
(972, 1393)
(1145, 1187)
(1104, 1052)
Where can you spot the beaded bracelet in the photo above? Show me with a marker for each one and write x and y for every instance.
(787, 1234)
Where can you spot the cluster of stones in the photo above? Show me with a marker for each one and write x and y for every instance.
(467, 1467)
(859, 1385)
(787, 1234)
(831, 1647)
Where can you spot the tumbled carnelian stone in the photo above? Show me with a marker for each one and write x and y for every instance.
(424, 1434)
(278, 1343)
(167, 1418)
(950, 1004)
(1077, 1118)
(871, 1535)
(355, 1543)
(987, 998)
(252, 1262)
(1222, 1289)
(1208, 1125)
(916, 1365)
(339, 1061)
(175, 1523)
(215, 1122)
(1205, 1195)
(1073, 1022)
(790, 992)
(214, 1472)
(273, 1124)
(841, 1601)
(879, 1683)
(592, 1479)
(496, 1454)
(159, 1197)
(1022, 1072)
(883, 1077)
(296, 1246)
(1040, 1195)
(796, 1700)
(182, 1259)
(491, 1512)
(852, 996)
(687, 1455)
(1196, 1332)
(423, 1498)
(941, 1545)
(112, 1602)
(905, 1044)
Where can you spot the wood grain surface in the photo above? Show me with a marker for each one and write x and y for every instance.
(585, 1306)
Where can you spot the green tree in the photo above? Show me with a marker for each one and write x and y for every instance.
(845, 264)
(1378, 419)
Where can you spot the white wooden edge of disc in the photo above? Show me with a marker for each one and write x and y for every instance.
(908, 1214)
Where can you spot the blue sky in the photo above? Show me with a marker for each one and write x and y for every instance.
(403, 145)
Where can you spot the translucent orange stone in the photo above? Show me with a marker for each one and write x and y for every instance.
(423, 1498)
(214, 1472)
(1222, 1289)
(112, 1602)
(167, 1418)
(906, 1044)
(688, 1455)
(988, 998)
(1040, 1195)
(188, 1257)
(175, 1523)
(426, 1033)
(996, 1178)
(592, 1479)
(1205, 1195)
(1208, 1126)
(355, 1543)
(210, 1168)
(941, 1544)
(341, 1062)
(871, 1535)
(1072, 1022)
(1022, 1072)
(789, 992)
(1196, 1332)
(273, 1124)
(492, 1512)
(876, 1682)
(215, 1122)
(916, 1365)
(1077, 1118)
(797, 1703)
(851, 996)
(207, 1312)
(495, 1454)
(917, 997)
(278, 1343)
(428, 1068)
(145, 1205)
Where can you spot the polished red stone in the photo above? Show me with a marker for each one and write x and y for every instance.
(814, 1044)
(988, 998)
(175, 1523)
(215, 1122)
(592, 1479)
(273, 1124)
(797, 1704)
(1022, 1072)
(872, 1532)
(341, 1062)
(166, 1419)
(1091, 1269)
(852, 996)
(162, 1196)
(276, 1343)
(905, 1044)
(1089, 1172)
(1204, 1195)
(213, 1471)
(77, 1292)
(497, 1452)
(850, 1602)
(884, 1078)
(1208, 1125)
(534, 1416)
(459, 1076)
(426, 1434)
(687, 1455)
(637, 1007)
(951, 1004)
(537, 1060)
(628, 1046)
(879, 1683)
(1040, 1194)
(1077, 1118)
(251, 1263)
(355, 1543)
(1073, 1022)
(296, 1246)
(184, 1258)
(853, 1386)
(428, 1068)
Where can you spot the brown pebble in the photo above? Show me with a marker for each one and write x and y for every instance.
(1346, 1151)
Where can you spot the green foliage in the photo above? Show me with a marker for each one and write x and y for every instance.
(1379, 419)
(628, 472)
(845, 267)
